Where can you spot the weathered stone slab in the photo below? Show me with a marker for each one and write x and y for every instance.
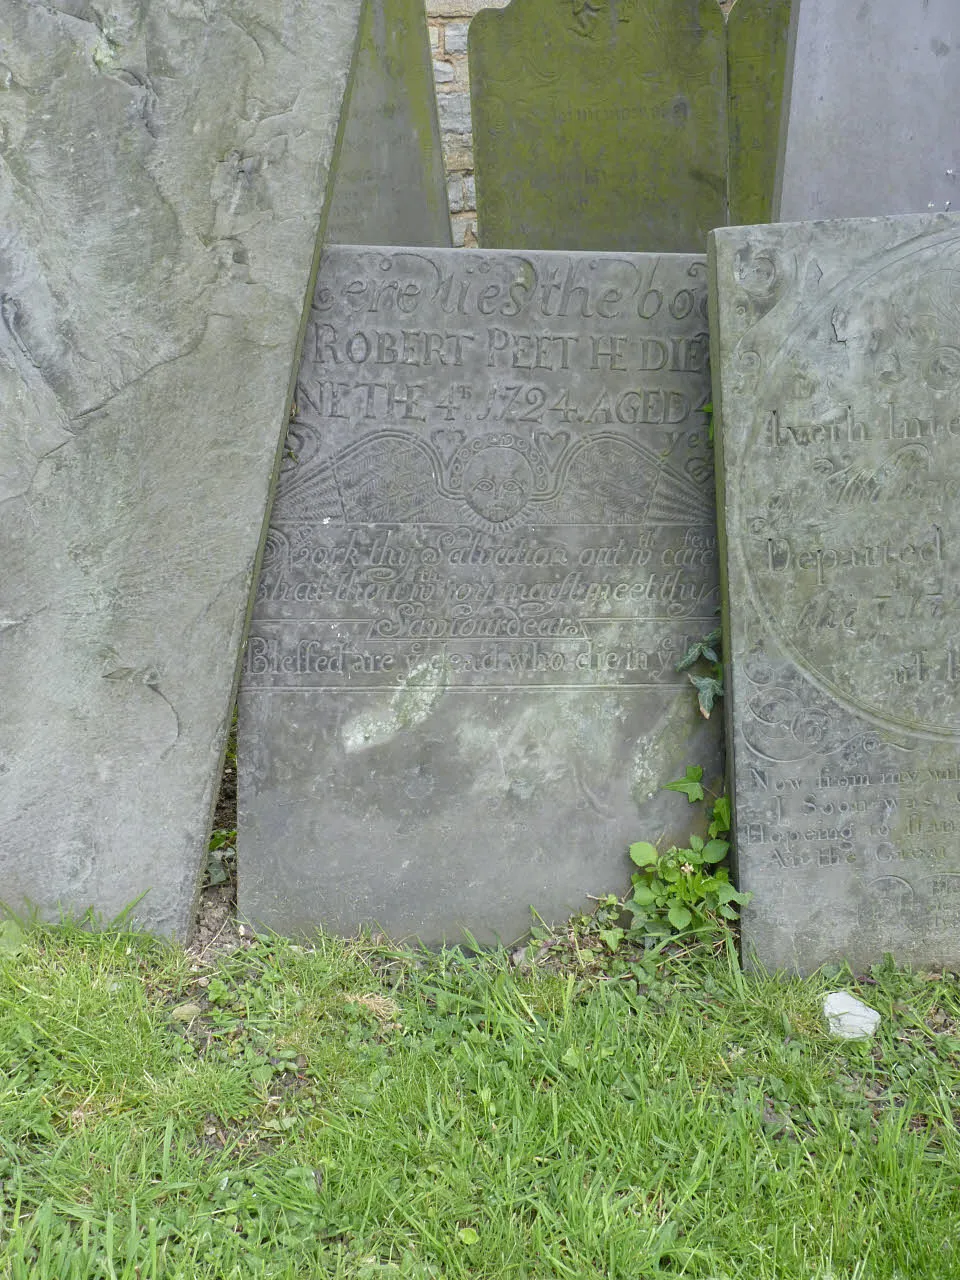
(160, 193)
(493, 539)
(599, 125)
(873, 95)
(756, 64)
(836, 350)
(389, 185)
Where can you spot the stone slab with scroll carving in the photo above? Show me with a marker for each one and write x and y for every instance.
(756, 64)
(493, 539)
(161, 186)
(836, 350)
(389, 185)
(872, 122)
(599, 125)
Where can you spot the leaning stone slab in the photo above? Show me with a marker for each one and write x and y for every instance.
(599, 125)
(836, 350)
(389, 185)
(872, 122)
(756, 63)
(492, 541)
(162, 177)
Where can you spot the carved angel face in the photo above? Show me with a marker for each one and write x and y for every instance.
(497, 483)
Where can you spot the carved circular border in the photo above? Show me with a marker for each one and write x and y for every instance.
(800, 334)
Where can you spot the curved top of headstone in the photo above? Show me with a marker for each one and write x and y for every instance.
(599, 124)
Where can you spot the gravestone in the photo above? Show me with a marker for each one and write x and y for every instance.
(492, 541)
(599, 125)
(160, 197)
(757, 33)
(871, 127)
(389, 185)
(836, 356)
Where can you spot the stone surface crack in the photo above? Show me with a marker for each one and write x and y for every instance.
(10, 314)
(146, 107)
(57, 11)
(250, 36)
(7, 624)
(180, 355)
(279, 114)
(154, 686)
(28, 484)
(49, 452)
(149, 678)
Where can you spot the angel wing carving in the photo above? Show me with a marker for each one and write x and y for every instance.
(388, 476)
(611, 479)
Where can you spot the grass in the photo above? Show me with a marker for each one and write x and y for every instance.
(349, 1112)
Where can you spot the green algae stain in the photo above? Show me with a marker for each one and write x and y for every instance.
(756, 67)
(599, 126)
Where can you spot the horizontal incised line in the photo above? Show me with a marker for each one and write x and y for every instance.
(365, 622)
(449, 688)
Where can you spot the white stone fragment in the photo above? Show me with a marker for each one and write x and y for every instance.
(848, 1017)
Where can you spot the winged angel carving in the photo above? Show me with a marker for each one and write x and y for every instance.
(495, 481)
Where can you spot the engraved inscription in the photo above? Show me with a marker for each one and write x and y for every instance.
(520, 494)
(855, 546)
(492, 540)
(840, 446)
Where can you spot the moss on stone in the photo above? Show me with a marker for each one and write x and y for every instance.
(599, 126)
(756, 67)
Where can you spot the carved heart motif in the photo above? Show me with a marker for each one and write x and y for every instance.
(447, 441)
(552, 444)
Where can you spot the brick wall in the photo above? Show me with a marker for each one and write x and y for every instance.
(448, 21)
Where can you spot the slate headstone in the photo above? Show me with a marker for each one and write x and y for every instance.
(160, 194)
(872, 122)
(599, 125)
(757, 33)
(493, 539)
(836, 356)
(389, 185)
